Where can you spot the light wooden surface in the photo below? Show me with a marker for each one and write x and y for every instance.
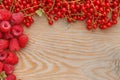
(69, 52)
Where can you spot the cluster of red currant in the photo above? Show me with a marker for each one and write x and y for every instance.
(28, 7)
(96, 13)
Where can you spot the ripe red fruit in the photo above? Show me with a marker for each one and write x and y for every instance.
(11, 59)
(8, 69)
(1, 67)
(3, 55)
(94, 26)
(55, 18)
(114, 22)
(3, 44)
(17, 30)
(89, 22)
(17, 18)
(109, 24)
(8, 35)
(23, 39)
(14, 45)
(11, 77)
(5, 26)
(1, 35)
(27, 24)
(89, 27)
(5, 14)
(50, 22)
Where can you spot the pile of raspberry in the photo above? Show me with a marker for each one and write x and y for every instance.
(12, 39)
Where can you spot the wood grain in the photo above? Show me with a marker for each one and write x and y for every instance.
(69, 52)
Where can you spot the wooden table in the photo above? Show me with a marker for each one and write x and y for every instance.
(69, 52)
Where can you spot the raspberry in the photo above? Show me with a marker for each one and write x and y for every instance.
(1, 67)
(8, 35)
(1, 35)
(14, 45)
(17, 18)
(17, 30)
(5, 26)
(3, 55)
(11, 59)
(23, 39)
(8, 69)
(11, 77)
(5, 14)
(3, 44)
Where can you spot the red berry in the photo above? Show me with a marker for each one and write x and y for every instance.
(1, 35)
(17, 18)
(89, 22)
(23, 39)
(8, 35)
(89, 27)
(114, 22)
(105, 26)
(5, 26)
(3, 55)
(27, 24)
(97, 2)
(88, 5)
(14, 45)
(5, 14)
(64, 9)
(3, 44)
(50, 22)
(109, 24)
(95, 26)
(1, 67)
(11, 77)
(114, 16)
(69, 20)
(11, 59)
(55, 18)
(8, 69)
(17, 30)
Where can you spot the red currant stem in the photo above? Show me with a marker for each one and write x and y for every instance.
(13, 9)
(68, 8)
(119, 10)
(111, 9)
(52, 6)
(93, 6)
(77, 1)
(32, 1)
(96, 19)
(30, 7)
(46, 15)
(2, 5)
(12, 5)
(77, 14)
(25, 15)
(1, 1)
(69, 17)
(119, 13)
